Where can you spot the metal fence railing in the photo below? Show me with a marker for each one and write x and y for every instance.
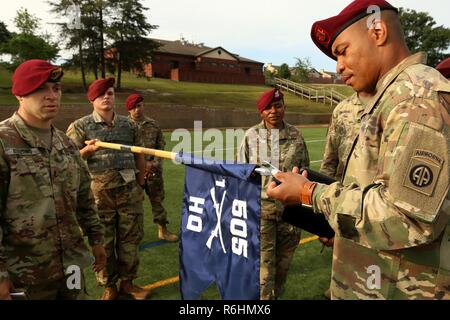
(323, 95)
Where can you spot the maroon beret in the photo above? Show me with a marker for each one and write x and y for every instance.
(267, 98)
(133, 100)
(99, 87)
(444, 68)
(31, 74)
(324, 32)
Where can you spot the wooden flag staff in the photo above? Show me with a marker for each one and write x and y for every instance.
(152, 152)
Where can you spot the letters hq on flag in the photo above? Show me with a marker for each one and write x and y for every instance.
(220, 231)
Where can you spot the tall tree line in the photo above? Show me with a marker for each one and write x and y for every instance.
(108, 35)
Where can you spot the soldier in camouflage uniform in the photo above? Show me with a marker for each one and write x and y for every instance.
(282, 144)
(117, 180)
(343, 129)
(45, 195)
(391, 211)
(152, 138)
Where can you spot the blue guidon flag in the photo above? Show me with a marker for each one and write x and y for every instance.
(220, 230)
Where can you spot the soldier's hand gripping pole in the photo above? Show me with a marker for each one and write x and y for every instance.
(152, 152)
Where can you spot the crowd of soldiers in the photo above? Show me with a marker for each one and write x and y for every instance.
(57, 188)
(387, 146)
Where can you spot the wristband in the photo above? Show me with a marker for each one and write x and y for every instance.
(306, 192)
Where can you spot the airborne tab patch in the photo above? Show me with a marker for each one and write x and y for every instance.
(423, 172)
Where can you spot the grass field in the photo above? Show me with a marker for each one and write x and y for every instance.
(167, 92)
(310, 271)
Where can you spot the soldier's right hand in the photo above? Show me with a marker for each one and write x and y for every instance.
(89, 149)
(6, 287)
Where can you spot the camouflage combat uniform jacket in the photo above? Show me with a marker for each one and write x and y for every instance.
(45, 197)
(257, 146)
(109, 168)
(152, 137)
(391, 213)
(343, 129)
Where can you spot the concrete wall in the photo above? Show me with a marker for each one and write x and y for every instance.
(178, 116)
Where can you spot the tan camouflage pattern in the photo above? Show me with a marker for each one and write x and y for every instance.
(342, 131)
(121, 213)
(277, 250)
(154, 188)
(45, 198)
(153, 138)
(112, 175)
(278, 240)
(57, 290)
(118, 198)
(292, 152)
(392, 209)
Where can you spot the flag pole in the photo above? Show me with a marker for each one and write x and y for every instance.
(151, 152)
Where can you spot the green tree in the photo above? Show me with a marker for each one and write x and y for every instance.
(422, 34)
(284, 72)
(27, 44)
(131, 50)
(5, 35)
(301, 70)
(26, 22)
(83, 31)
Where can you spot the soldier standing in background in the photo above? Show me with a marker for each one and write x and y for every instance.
(45, 195)
(282, 143)
(391, 211)
(152, 138)
(117, 182)
(342, 131)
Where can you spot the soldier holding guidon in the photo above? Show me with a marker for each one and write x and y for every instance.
(117, 182)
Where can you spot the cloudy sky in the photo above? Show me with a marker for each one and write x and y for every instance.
(273, 31)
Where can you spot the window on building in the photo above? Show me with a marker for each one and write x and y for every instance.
(174, 64)
(247, 70)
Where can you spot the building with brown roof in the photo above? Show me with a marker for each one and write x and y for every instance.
(183, 61)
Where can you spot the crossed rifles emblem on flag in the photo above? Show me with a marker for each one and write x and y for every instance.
(217, 231)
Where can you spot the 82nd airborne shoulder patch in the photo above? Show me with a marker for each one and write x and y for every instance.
(423, 172)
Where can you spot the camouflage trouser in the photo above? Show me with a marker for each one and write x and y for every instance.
(154, 187)
(278, 243)
(120, 210)
(56, 290)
